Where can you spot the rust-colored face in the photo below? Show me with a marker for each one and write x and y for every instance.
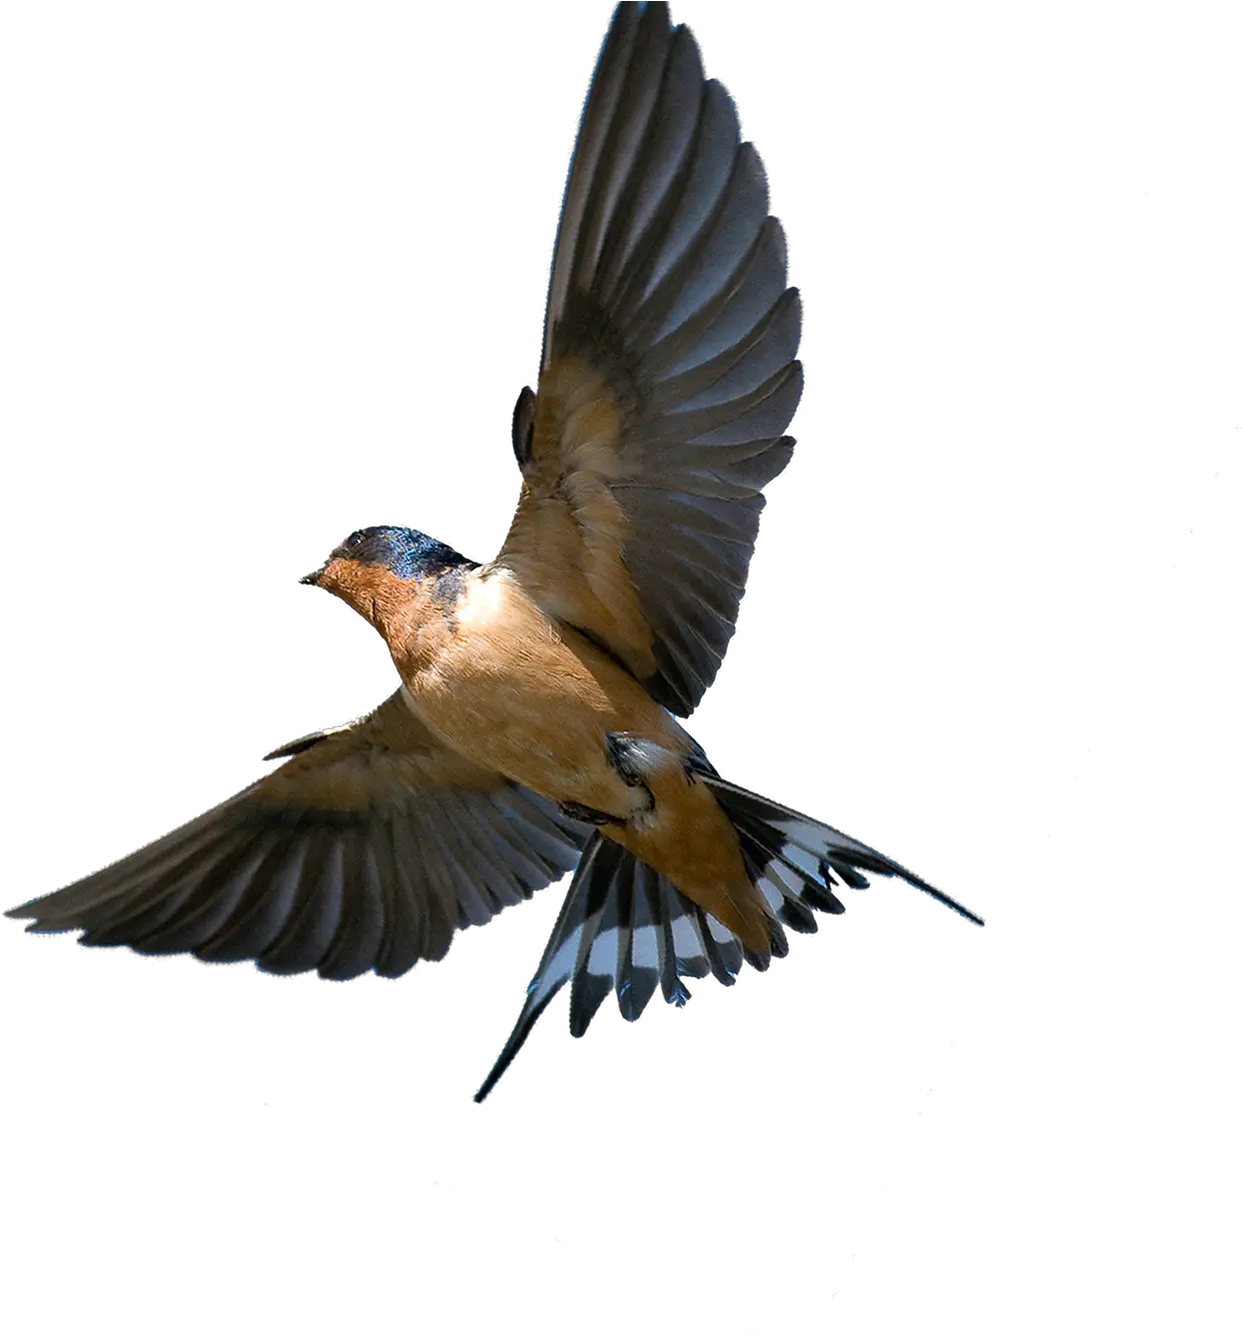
(384, 574)
(373, 591)
(337, 575)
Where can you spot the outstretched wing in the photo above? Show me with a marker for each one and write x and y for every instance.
(667, 376)
(367, 849)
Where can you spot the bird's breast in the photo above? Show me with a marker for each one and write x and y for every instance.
(510, 688)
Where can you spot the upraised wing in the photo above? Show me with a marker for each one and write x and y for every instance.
(366, 850)
(667, 376)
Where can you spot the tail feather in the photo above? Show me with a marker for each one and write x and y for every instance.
(625, 928)
(786, 834)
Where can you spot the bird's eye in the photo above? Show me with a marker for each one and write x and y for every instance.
(354, 539)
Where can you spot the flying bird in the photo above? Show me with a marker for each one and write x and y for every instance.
(536, 728)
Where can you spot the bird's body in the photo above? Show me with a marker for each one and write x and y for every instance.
(536, 699)
(534, 727)
(499, 680)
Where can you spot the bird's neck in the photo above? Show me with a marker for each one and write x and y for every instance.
(414, 616)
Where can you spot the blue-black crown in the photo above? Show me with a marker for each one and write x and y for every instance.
(406, 552)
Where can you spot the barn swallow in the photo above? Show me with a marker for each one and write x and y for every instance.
(536, 726)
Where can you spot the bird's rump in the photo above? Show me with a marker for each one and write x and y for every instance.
(367, 849)
(667, 376)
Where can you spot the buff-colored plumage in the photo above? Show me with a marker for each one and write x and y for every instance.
(499, 681)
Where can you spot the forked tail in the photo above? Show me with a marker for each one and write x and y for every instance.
(626, 929)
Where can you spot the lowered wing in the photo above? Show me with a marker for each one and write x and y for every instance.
(366, 850)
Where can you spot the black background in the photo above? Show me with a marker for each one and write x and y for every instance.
(290, 282)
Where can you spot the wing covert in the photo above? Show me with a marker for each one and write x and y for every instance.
(667, 378)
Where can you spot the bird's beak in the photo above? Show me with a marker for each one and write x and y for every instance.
(317, 577)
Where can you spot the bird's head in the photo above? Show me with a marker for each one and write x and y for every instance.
(379, 570)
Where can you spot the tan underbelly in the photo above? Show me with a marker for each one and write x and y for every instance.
(536, 702)
(539, 712)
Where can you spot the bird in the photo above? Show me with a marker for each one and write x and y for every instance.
(537, 728)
